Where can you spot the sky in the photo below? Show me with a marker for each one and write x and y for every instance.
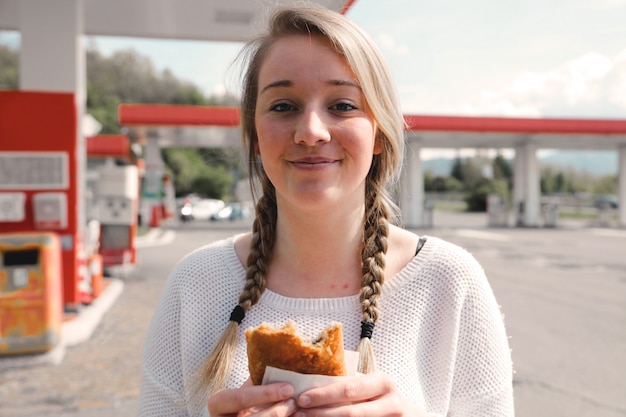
(526, 58)
(557, 58)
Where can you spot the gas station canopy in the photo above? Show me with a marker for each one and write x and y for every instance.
(179, 125)
(51, 29)
(208, 20)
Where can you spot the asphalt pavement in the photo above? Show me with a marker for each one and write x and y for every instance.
(562, 292)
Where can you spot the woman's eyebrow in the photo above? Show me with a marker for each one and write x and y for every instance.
(279, 83)
(288, 83)
(348, 83)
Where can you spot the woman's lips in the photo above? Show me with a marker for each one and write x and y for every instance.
(313, 162)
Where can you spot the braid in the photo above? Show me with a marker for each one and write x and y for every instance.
(218, 367)
(376, 232)
(263, 236)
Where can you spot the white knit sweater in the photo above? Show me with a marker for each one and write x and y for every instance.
(440, 333)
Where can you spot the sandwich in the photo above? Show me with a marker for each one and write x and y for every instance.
(283, 348)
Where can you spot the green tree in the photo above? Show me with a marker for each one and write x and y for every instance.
(472, 173)
(606, 184)
(193, 174)
(128, 77)
(559, 182)
(548, 181)
(476, 198)
(441, 184)
(457, 169)
(502, 168)
(467, 171)
(9, 68)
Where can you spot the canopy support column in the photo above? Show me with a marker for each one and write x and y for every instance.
(412, 187)
(526, 191)
(56, 63)
(152, 191)
(621, 186)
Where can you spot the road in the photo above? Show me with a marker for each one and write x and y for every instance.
(562, 292)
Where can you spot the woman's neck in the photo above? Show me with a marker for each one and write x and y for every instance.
(317, 254)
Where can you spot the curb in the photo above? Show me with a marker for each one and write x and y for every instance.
(82, 327)
(155, 237)
(73, 332)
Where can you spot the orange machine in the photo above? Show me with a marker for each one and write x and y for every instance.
(31, 312)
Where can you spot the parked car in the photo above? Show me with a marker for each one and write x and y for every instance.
(231, 211)
(184, 212)
(606, 202)
(199, 209)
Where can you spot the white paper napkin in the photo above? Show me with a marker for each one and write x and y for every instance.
(304, 382)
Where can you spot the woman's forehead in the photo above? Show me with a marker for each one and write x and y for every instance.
(294, 56)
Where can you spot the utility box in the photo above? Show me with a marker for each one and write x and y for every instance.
(31, 298)
(497, 211)
(551, 214)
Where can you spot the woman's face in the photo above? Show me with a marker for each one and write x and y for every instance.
(316, 137)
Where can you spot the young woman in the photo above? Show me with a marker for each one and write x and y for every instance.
(324, 133)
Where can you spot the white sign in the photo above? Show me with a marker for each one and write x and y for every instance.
(12, 207)
(20, 278)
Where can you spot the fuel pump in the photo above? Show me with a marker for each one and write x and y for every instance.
(117, 202)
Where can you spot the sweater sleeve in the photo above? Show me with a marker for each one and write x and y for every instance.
(162, 381)
(483, 373)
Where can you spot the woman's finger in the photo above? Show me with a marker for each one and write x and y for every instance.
(358, 389)
(231, 401)
(280, 409)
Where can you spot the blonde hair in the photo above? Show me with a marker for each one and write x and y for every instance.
(378, 89)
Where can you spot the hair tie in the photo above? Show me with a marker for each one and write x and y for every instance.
(238, 314)
(367, 328)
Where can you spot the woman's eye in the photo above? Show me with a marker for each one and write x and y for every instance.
(281, 107)
(344, 107)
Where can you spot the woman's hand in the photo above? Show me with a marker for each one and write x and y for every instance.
(373, 394)
(272, 400)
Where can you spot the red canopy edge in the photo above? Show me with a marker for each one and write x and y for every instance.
(187, 115)
(108, 146)
(515, 125)
(176, 115)
(347, 5)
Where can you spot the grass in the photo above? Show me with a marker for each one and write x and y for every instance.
(575, 215)
(460, 207)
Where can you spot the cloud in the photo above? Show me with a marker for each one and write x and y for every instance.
(592, 85)
(387, 42)
(607, 4)
(619, 89)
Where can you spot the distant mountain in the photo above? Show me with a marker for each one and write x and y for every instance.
(439, 167)
(595, 162)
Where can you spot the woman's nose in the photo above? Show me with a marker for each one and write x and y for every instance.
(311, 129)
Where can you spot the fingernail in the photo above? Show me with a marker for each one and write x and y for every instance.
(304, 400)
(291, 405)
(286, 391)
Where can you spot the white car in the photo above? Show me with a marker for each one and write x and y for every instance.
(232, 211)
(204, 208)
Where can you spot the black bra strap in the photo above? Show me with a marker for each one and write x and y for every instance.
(420, 244)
